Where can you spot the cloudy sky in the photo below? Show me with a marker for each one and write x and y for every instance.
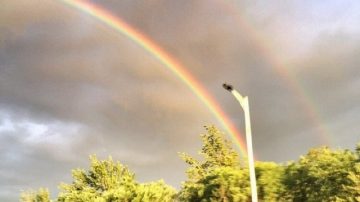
(71, 86)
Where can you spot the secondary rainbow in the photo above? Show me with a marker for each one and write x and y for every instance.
(170, 62)
(293, 83)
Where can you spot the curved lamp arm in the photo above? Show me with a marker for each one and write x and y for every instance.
(244, 103)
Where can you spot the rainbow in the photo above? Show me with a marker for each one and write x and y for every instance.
(280, 68)
(166, 59)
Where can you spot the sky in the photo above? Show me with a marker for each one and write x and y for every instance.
(71, 86)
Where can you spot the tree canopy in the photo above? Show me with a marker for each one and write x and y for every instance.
(320, 175)
(323, 175)
(219, 177)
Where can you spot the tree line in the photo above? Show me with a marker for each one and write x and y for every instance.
(320, 175)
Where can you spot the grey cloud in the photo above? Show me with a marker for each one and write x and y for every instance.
(97, 92)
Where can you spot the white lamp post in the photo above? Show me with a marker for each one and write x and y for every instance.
(244, 103)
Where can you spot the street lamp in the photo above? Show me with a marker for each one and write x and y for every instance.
(244, 103)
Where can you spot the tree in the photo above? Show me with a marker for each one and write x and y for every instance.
(105, 181)
(269, 181)
(42, 195)
(111, 181)
(220, 184)
(219, 177)
(216, 151)
(155, 192)
(322, 175)
(354, 177)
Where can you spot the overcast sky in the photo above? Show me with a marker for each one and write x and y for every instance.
(71, 86)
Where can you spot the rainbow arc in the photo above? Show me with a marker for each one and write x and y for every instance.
(166, 59)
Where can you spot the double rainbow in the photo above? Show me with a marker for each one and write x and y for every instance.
(166, 59)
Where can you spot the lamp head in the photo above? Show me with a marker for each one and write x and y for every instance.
(228, 87)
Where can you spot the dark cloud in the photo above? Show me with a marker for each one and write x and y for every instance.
(70, 86)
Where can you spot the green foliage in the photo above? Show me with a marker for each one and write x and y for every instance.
(269, 181)
(219, 184)
(42, 195)
(322, 175)
(155, 192)
(218, 177)
(111, 181)
(353, 189)
(216, 151)
(105, 181)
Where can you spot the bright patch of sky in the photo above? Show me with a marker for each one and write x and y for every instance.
(292, 27)
(6, 126)
(35, 132)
